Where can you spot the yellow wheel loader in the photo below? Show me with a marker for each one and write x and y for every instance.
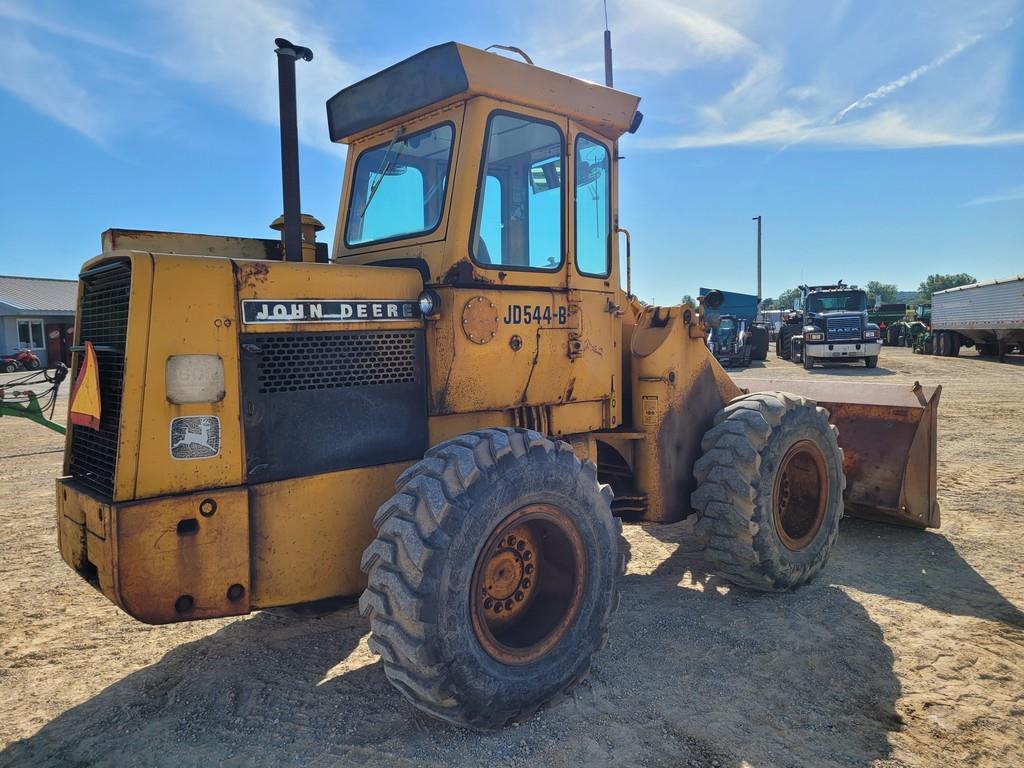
(451, 413)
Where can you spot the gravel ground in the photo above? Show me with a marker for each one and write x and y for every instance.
(907, 651)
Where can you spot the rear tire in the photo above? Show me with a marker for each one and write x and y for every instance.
(770, 490)
(759, 343)
(10, 367)
(449, 642)
(785, 346)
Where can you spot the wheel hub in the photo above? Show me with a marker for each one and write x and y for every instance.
(509, 580)
(527, 584)
(800, 495)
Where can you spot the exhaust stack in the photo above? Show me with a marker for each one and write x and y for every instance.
(287, 55)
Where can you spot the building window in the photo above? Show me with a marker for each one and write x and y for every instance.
(30, 334)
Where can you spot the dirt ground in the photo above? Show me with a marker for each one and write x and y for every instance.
(907, 651)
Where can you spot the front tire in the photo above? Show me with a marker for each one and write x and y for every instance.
(770, 490)
(808, 361)
(492, 579)
(871, 362)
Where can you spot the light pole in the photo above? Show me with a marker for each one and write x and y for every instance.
(758, 220)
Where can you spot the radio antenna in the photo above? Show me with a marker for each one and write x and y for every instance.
(607, 48)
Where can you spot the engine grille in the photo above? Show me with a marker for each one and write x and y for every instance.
(103, 320)
(295, 363)
(843, 328)
(325, 401)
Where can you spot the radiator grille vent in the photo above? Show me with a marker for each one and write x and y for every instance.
(843, 328)
(293, 363)
(103, 320)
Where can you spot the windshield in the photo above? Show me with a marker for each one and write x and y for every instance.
(837, 301)
(399, 187)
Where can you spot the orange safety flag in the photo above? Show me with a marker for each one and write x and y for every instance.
(85, 395)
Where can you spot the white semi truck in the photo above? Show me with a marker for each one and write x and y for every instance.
(988, 316)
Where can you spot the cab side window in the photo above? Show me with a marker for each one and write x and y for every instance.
(519, 210)
(593, 208)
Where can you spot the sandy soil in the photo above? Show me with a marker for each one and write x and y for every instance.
(907, 651)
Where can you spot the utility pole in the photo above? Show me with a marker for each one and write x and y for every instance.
(758, 220)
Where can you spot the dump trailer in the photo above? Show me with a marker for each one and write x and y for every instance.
(453, 414)
(988, 316)
(742, 307)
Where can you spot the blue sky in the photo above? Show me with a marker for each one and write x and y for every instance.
(879, 140)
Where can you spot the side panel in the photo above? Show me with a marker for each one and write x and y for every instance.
(194, 299)
(309, 533)
(677, 388)
(989, 306)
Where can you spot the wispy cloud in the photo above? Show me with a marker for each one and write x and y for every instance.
(894, 85)
(21, 14)
(224, 49)
(1010, 195)
(46, 83)
(227, 49)
(769, 106)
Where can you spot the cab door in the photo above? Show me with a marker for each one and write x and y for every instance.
(508, 325)
(594, 299)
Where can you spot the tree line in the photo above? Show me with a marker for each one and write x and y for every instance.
(887, 291)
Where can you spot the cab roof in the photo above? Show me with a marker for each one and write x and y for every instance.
(454, 72)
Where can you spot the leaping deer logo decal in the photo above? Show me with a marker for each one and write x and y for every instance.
(195, 437)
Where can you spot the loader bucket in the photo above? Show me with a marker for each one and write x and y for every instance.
(888, 435)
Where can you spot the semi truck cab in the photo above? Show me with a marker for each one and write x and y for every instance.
(836, 327)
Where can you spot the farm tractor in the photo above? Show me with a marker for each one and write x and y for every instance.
(452, 413)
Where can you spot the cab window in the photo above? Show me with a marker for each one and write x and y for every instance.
(593, 208)
(519, 209)
(399, 187)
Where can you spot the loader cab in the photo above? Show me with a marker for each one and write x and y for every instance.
(497, 181)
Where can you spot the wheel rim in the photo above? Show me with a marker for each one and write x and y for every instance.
(800, 495)
(527, 584)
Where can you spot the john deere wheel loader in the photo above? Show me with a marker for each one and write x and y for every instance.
(452, 413)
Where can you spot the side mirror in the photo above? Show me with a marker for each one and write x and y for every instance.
(713, 299)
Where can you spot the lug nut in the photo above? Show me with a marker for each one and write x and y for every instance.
(488, 603)
(508, 605)
(526, 583)
(498, 607)
(519, 597)
(521, 546)
(529, 568)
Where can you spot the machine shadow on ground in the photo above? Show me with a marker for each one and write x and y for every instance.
(850, 369)
(705, 671)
